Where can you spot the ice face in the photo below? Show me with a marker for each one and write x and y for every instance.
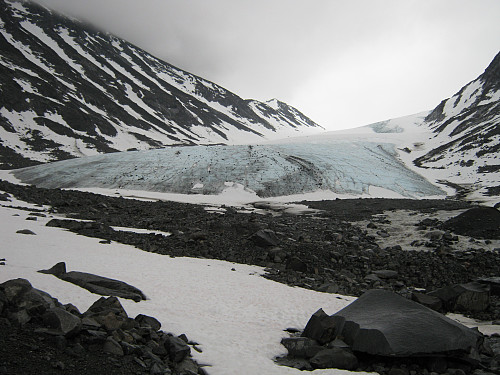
(269, 170)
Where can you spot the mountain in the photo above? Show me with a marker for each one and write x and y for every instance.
(68, 90)
(451, 149)
(463, 150)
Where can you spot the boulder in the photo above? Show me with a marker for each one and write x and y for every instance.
(265, 238)
(382, 323)
(109, 321)
(472, 296)
(177, 348)
(61, 321)
(335, 358)
(103, 285)
(296, 264)
(26, 231)
(386, 274)
(493, 282)
(432, 302)
(112, 347)
(322, 327)
(478, 222)
(187, 366)
(36, 302)
(106, 305)
(96, 284)
(3, 301)
(56, 270)
(295, 362)
(15, 288)
(148, 321)
(302, 347)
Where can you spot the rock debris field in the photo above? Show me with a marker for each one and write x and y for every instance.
(346, 247)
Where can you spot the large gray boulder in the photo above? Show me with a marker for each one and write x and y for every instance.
(103, 285)
(383, 323)
(96, 284)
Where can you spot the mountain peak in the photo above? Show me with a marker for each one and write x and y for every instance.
(491, 76)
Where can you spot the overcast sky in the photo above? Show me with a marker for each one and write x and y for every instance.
(342, 63)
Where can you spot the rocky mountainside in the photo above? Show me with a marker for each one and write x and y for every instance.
(68, 90)
(464, 147)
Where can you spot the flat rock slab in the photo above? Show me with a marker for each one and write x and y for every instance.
(97, 284)
(383, 323)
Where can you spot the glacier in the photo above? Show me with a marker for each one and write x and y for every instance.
(341, 166)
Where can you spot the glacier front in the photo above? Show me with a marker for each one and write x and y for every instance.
(344, 167)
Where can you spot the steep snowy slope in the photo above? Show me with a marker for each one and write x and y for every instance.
(68, 90)
(463, 150)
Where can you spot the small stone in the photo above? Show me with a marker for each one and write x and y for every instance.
(25, 231)
(177, 348)
(112, 347)
(158, 369)
(386, 274)
(149, 321)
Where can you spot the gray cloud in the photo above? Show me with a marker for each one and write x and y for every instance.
(343, 63)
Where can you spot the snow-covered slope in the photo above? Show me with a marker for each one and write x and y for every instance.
(68, 90)
(235, 315)
(463, 150)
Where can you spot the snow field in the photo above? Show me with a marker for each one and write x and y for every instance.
(237, 316)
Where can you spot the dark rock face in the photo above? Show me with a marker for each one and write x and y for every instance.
(383, 323)
(96, 284)
(100, 335)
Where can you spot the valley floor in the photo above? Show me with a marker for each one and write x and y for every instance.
(203, 274)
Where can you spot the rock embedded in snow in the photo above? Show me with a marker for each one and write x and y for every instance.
(381, 330)
(383, 323)
(321, 327)
(26, 231)
(96, 284)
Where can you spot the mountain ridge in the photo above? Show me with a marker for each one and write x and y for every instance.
(70, 90)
